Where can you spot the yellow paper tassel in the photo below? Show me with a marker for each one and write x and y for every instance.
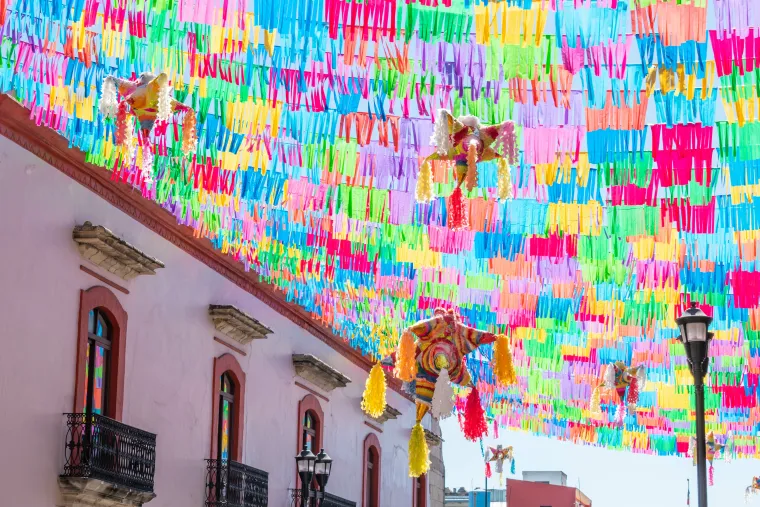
(373, 399)
(503, 368)
(504, 189)
(419, 462)
(406, 358)
(189, 139)
(471, 179)
(424, 191)
(595, 405)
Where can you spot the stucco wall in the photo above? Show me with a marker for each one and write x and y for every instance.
(169, 357)
(536, 494)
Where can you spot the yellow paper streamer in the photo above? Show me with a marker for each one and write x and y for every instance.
(373, 399)
(419, 462)
(406, 358)
(503, 369)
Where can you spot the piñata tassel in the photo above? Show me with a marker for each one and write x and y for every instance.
(108, 105)
(122, 124)
(441, 136)
(512, 468)
(595, 405)
(475, 426)
(373, 399)
(495, 429)
(503, 369)
(457, 211)
(621, 413)
(164, 103)
(419, 462)
(609, 376)
(488, 470)
(442, 404)
(406, 358)
(712, 478)
(471, 178)
(504, 180)
(189, 135)
(633, 394)
(147, 163)
(424, 191)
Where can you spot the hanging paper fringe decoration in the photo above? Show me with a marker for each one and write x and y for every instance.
(620, 414)
(373, 399)
(609, 377)
(595, 405)
(147, 163)
(504, 181)
(503, 368)
(440, 138)
(424, 191)
(165, 92)
(108, 105)
(475, 426)
(488, 470)
(512, 467)
(712, 477)
(189, 134)
(419, 462)
(495, 429)
(123, 123)
(471, 179)
(406, 358)
(633, 394)
(443, 402)
(457, 211)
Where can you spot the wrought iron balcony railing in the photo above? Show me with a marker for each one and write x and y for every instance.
(232, 484)
(324, 500)
(100, 448)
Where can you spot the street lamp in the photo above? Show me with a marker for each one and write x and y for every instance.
(305, 464)
(322, 470)
(693, 324)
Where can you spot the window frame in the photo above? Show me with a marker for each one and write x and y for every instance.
(309, 404)
(371, 446)
(420, 481)
(226, 364)
(104, 301)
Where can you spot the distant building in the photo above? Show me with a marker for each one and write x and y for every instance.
(495, 498)
(555, 478)
(544, 494)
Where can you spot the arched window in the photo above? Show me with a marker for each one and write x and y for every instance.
(420, 491)
(371, 486)
(97, 366)
(100, 354)
(228, 409)
(309, 435)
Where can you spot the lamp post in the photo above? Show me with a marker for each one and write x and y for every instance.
(305, 463)
(313, 467)
(693, 324)
(322, 471)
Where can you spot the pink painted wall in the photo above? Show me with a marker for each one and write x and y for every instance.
(169, 357)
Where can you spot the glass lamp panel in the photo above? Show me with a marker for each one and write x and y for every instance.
(696, 332)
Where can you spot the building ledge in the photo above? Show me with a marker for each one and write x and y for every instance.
(104, 249)
(236, 324)
(318, 372)
(388, 413)
(433, 440)
(87, 492)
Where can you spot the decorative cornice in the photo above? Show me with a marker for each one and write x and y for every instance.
(111, 253)
(389, 413)
(432, 439)
(236, 324)
(54, 150)
(318, 372)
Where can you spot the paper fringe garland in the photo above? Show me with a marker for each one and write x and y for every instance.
(406, 358)
(443, 402)
(424, 191)
(373, 399)
(419, 463)
(503, 369)
(475, 426)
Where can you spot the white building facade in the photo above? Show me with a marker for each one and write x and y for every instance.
(189, 365)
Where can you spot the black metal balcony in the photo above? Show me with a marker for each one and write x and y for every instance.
(232, 484)
(101, 448)
(325, 500)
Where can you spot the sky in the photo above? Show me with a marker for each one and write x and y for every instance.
(637, 480)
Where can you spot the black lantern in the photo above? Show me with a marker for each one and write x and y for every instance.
(322, 469)
(305, 466)
(693, 324)
(695, 337)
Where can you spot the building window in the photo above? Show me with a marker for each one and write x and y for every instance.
(100, 354)
(226, 408)
(309, 435)
(420, 491)
(229, 399)
(372, 462)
